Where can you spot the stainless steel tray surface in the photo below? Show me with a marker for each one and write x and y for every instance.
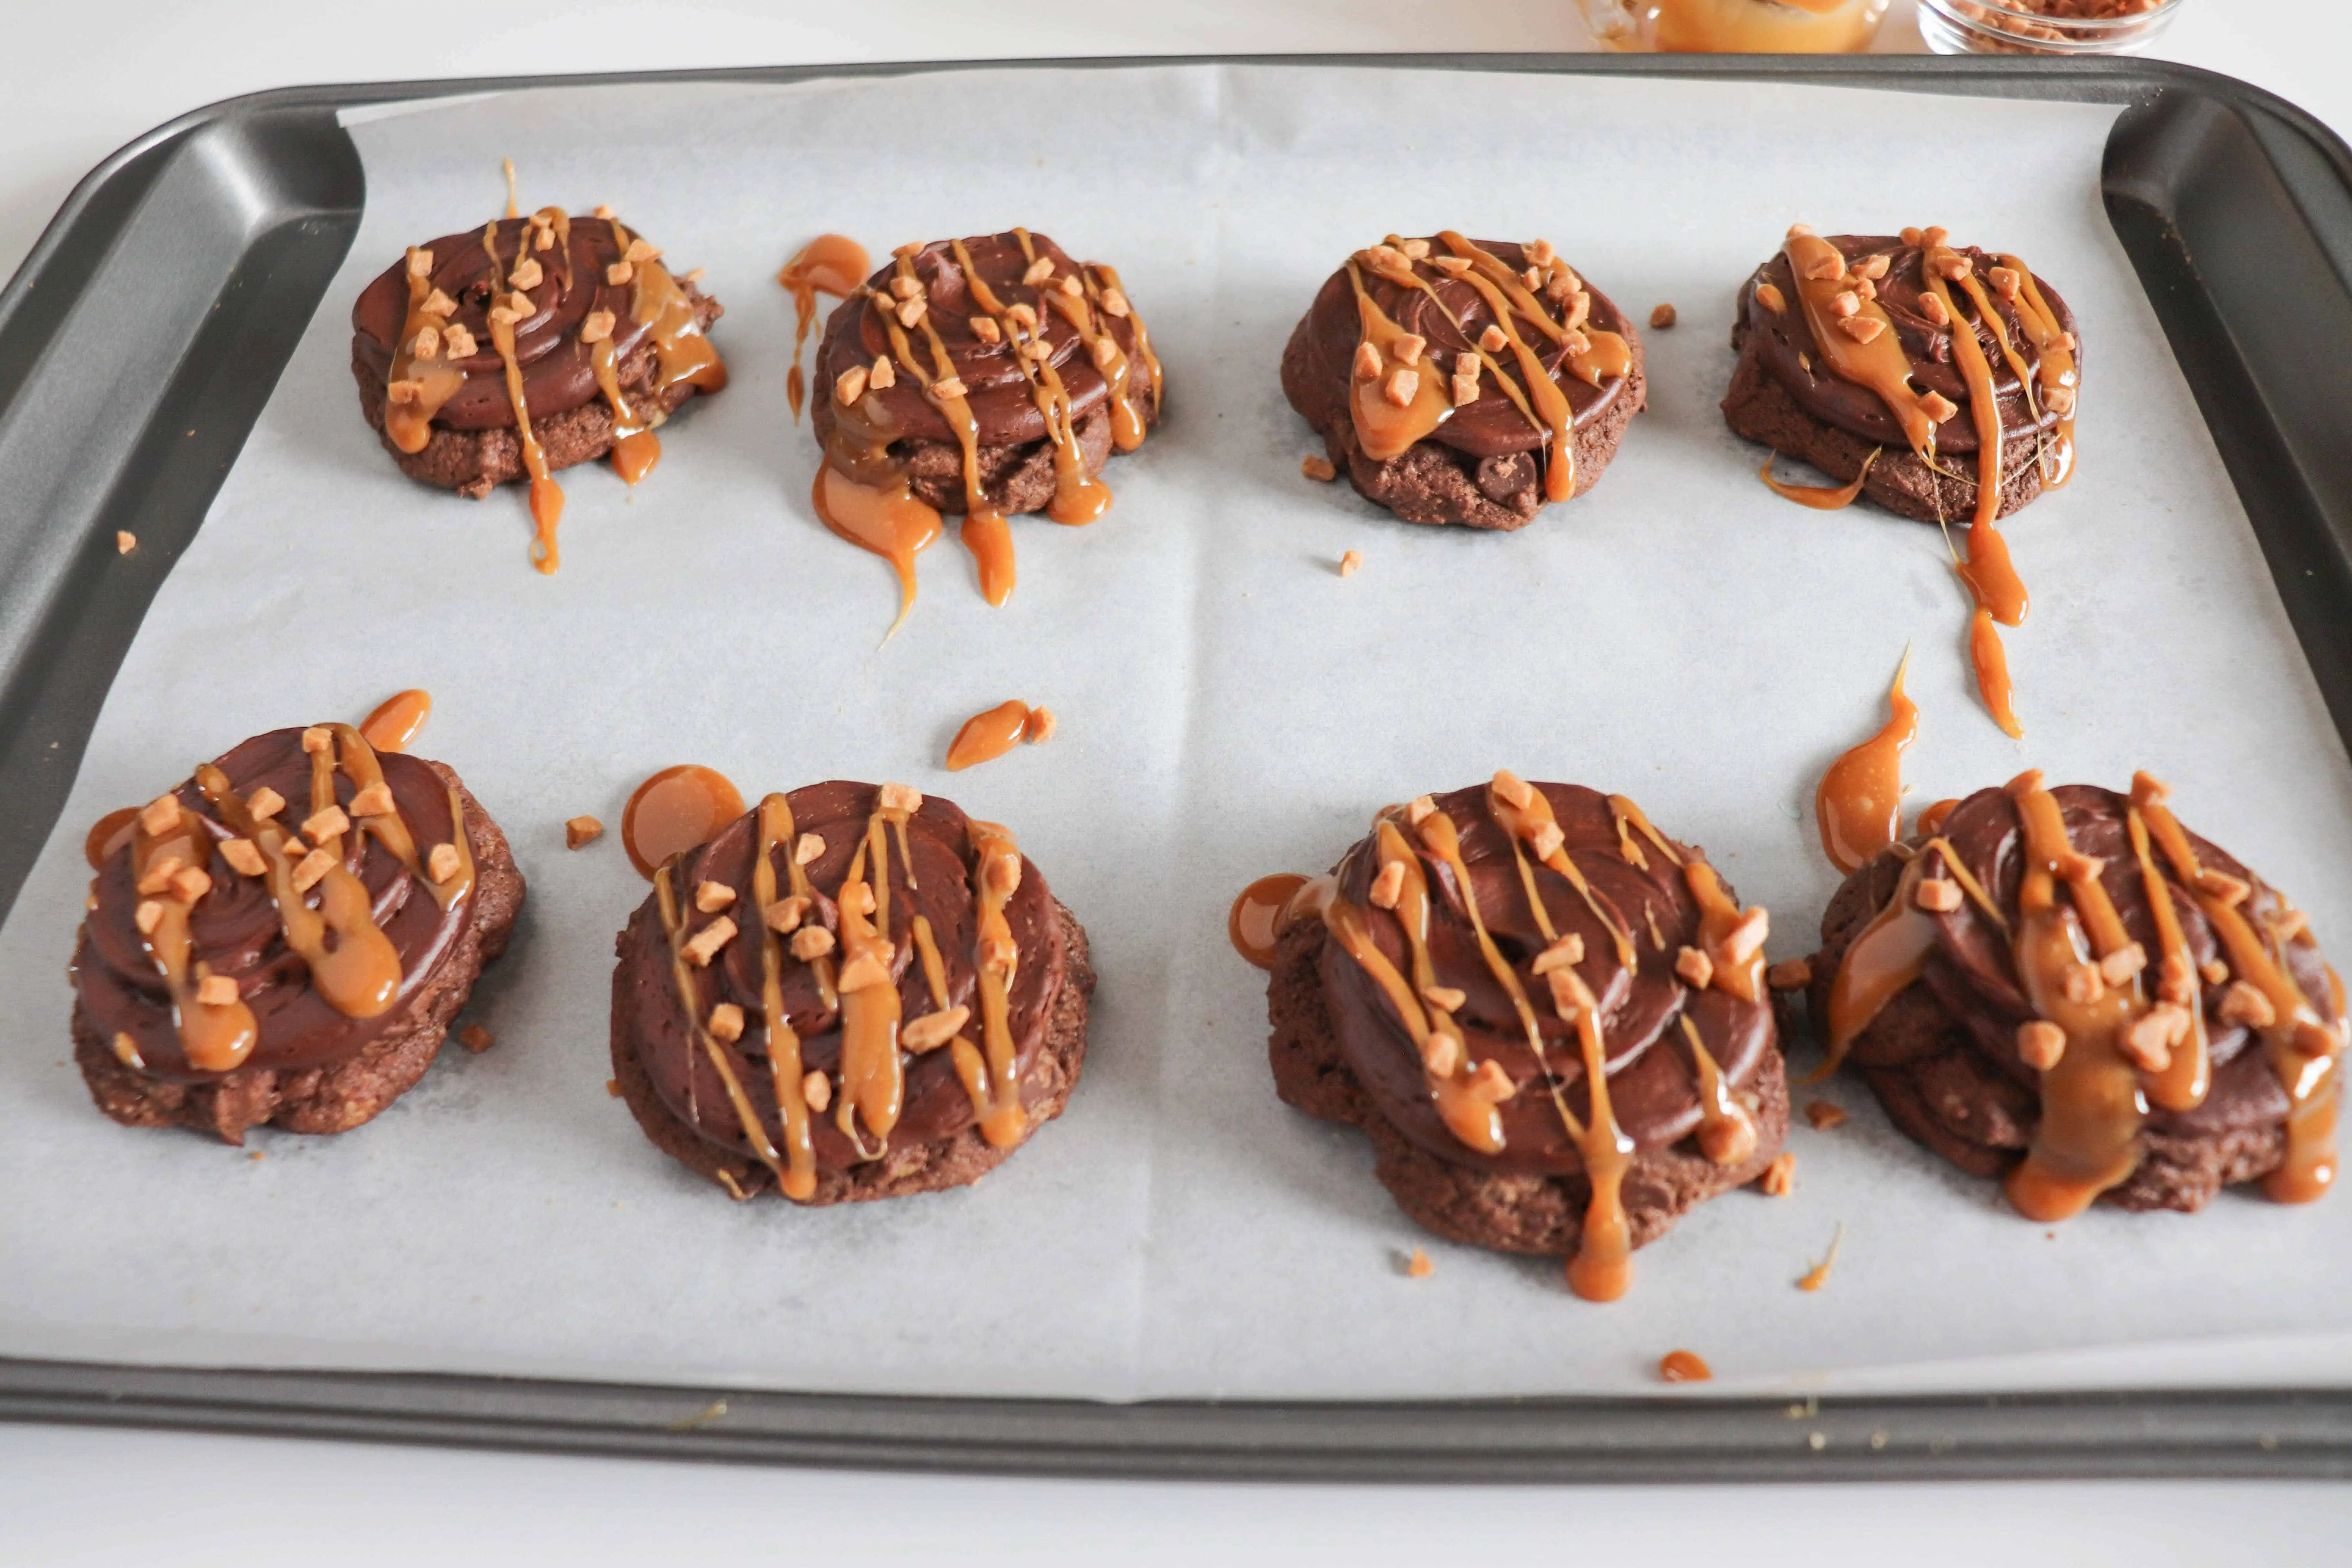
(140, 339)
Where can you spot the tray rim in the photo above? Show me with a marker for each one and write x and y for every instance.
(2264, 1431)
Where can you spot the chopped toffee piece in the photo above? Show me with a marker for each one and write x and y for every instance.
(939, 1020)
(1464, 381)
(231, 973)
(532, 343)
(1469, 985)
(2102, 1005)
(1000, 376)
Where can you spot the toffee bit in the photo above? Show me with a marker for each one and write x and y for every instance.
(1113, 303)
(1353, 561)
(704, 945)
(1862, 329)
(1041, 726)
(1661, 317)
(613, 1088)
(1419, 1267)
(460, 342)
(598, 326)
(244, 857)
(147, 916)
(932, 1030)
(725, 1023)
(619, 273)
(712, 896)
(1938, 895)
(817, 1089)
(2040, 1044)
(582, 831)
(1695, 967)
(1319, 469)
(811, 943)
(808, 849)
(313, 867)
(1779, 1177)
(1789, 974)
(373, 801)
(217, 991)
(476, 1038)
(125, 542)
(1824, 1116)
(443, 863)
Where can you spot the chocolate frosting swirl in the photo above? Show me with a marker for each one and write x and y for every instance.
(1792, 356)
(237, 931)
(557, 369)
(1000, 396)
(649, 1011)
(1971, 971)
(1652, 1076)
(1493, 426)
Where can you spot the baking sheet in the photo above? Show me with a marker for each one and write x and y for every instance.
(1229, 706)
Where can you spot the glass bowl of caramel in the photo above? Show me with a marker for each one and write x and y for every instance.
(2043, 27)
(1737, 26)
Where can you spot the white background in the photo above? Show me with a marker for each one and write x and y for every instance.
(81, 79)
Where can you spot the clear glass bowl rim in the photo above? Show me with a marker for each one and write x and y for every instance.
(1996, 12)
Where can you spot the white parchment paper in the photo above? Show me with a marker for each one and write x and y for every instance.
(1229, 707)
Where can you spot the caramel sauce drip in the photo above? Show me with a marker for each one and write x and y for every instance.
(996, 876)
(546, 495)
(1933, 816)
(2304, 1051)
(107, 835)
(389, 828)
(682, 356)
(984, 522)
(883, 515)
(1103, 276)
(1858, 805)
(1880, 365)
(216, 1037)
(1889, 953)
(1127, 420)
(1386, 429)
(2188, 1077)
(2058, 369)
(1526, 824)
(397, 719)
(1726, 1133)
(410, 424)
(985, 737)
(1682, 1366)
(1507, 300)
(675, 810)
(830, 264)
(716, 1052)
(1078, 497)
(872, 1079)
(1257, 920)
(797, 1180)
(1975, 370)
(1821, 498)
(1718, 915)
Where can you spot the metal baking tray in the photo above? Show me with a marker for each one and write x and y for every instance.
(142, 336)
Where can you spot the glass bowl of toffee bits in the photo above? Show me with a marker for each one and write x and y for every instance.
(1735, 26)
(2043, 27)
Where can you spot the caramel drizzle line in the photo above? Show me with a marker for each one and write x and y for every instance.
(1867, 978)
(1430, 407)
(682, 352)
(996, 876)
(1508, 300)
(798, 1179)
(359, 976)
(955, 411)
(410, 425)
(2189, 1077)
(2016, 361)
(1497, 809)
(2307, 1074)
(1625, 812)
(1491, 366)
(534, 455)
(1072, 489)
(755, 1129)
(1128, 425)
(872, 1080)
(2041, 324)
(1983, 408)
(214, 1039)
(1716, 1108)
(1880, 365)
(1591, 364)
(1106, 276)
(360, 765)
(1527, 822)
(2087, 1139)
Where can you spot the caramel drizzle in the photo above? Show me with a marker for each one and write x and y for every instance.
(1535, 824)
(1889, 953)
(682, 355)
(2189, 1075)
(409, 422)
(797, 1180)
(215, 1038)
(1726, 1133)
(994, 1085)
(1821, 498)
(1127, 421)
(985, 531)
(698, 1028)
(1858, 805)
(546, 495)
(2057, 352)
(872, 1079)
(1078, 497)
(1383, 429)
(1880, 365)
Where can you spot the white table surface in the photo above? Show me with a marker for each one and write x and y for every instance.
(80, 80)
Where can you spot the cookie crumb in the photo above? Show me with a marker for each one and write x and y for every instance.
(476, 1038)
(1319, 469)
(1825, 1115)
(256, 1154)
(1419, 1267)
(582, 831)
(1663, 317)
(613, 1087)
(1350, 562)
(125, 542)
(1779, 1177)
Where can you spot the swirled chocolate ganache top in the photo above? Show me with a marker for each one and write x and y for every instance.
(2066, 985)
(841, 976)
(567, 336)
(279, 911)
(1529, 978)
(987, 375)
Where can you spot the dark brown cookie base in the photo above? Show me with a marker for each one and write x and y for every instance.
(1015, 479)
(1537, 1215)
(476, 462)
(1939, 1091)
(339, 1098)
(1429, 482)
(1760, 409)
(954, 1162)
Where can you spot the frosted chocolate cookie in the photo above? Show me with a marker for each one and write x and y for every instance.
(527, 345)
(848, 993)
(285, 938)
(2067, 989)
(1550, 1018)
(988, 376)
(1464, 380)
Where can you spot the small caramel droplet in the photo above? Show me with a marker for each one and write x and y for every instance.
(675, 810)
(395, 722)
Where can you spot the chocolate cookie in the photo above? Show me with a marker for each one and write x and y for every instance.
(1848, 355)
(1459, 982)
(987, 376)
(849, 994)
(2066, 988)
(285, 938)
(526, 346)
(1464, 380)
